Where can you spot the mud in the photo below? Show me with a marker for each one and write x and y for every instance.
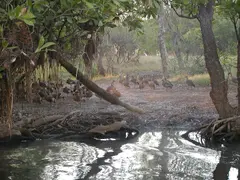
(178, 108)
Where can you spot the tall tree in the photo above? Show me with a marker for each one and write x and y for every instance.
(203, 10)
(176, 39)
(161, 41)
(231, 9)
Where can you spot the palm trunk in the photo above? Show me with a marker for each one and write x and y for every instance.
(219, 85)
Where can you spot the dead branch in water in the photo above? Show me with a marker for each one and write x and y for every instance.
(94, 87)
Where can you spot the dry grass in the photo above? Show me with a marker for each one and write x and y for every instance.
(147, 63)
(107, 77)
(198, 79)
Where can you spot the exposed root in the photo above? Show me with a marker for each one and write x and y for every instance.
(223, 130)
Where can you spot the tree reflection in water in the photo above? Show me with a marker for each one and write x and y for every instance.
(152, 155)
(229, 164)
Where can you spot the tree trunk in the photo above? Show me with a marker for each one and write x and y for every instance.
(28, 81)
(6, 104)
(101, 69)
(162, 46)
(177, 50)
(88, 56)
(94, 87)
(219, 85)
(238, 74)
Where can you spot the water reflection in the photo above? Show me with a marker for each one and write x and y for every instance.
(153, 155)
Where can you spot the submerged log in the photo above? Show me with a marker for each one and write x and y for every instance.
(94, 87)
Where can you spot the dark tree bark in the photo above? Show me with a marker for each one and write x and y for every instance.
(94, 87)
(6, 104)
(219, 85)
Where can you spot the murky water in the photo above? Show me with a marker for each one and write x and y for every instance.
(153, 155)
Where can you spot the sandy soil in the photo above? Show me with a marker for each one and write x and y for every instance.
(180, 107)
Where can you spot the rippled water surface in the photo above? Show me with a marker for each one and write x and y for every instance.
(153, 155)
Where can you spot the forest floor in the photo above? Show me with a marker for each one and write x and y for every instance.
(178, 108)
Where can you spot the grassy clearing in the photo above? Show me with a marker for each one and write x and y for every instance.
(147, 63)
(198, 79)
(107, 77)
(201, 79)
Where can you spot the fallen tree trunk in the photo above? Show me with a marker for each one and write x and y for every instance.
(94, 87)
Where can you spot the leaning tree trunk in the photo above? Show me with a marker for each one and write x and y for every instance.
(219, 85)
(162, 46)
(88, 56)
(94, 87)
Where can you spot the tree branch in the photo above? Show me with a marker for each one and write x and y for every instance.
(183, 16)
(235, 27)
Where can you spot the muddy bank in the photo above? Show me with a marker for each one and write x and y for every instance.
(180, 108)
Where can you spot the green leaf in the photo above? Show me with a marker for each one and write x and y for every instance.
(48, 44)
(29, 3)
(89, 5)
(12, 47)
(29, 22)
(4, 43)
(69, 19)
(1, 30)
(41, 42)
(1, 68)
(116, 2)
(64, 4)
(1, 76)
(28, 15)
(13, 14)
(83, 20)
(100, 23)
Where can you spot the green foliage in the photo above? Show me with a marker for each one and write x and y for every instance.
(225, 34)
(148, 40)
(42, 46)
(18, 13)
